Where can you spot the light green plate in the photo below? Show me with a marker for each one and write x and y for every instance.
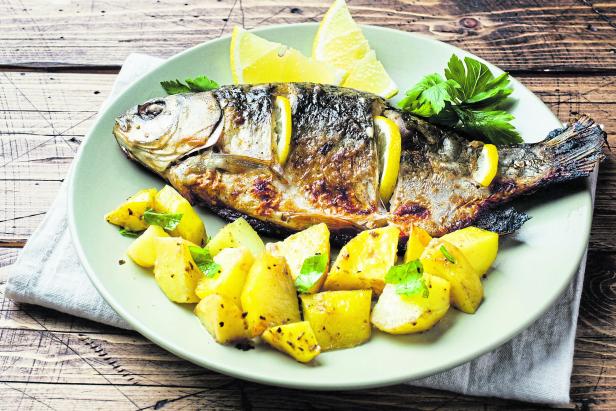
(528, 275)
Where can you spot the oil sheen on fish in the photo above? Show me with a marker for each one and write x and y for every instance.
(218, 149)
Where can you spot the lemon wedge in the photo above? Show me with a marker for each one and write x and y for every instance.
(389, 145)
(283, 128)
(487, 165)
(256, 60)
(339, 39)
(370, 75)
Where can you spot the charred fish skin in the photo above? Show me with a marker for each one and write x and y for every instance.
(217, 149)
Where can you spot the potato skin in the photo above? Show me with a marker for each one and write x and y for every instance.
(399, 314)
(175, 271)
(466, 288)
(479, 246)
(235, 264)
(237, 234)
(142, 250)
(222, 318)
(299, 246)
(129, 214)
(364, 261)
(269, 297)
(340, 319)
(296, 339)
(191, 228)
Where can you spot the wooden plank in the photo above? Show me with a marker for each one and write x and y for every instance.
(520, 35)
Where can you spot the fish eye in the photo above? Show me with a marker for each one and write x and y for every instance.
(150, 109)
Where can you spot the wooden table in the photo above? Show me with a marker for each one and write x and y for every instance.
(58, 60)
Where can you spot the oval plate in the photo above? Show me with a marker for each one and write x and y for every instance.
(529, 274)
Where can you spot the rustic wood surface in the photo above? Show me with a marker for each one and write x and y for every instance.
(58, 60)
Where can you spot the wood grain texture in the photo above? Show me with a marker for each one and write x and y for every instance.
(520, 35)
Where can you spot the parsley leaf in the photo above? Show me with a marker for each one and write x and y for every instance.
(428, 97)
(448, 256)
(466, 100)
(204, 261)
(168, 221)
(199, 83)
(311, 271)
(408, 279)
(129, 233)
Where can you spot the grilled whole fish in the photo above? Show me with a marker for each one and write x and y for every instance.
(217, 148)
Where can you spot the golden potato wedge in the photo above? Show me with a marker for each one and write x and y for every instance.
(445, 260)
(478, 246)
(129, 214)
(237, 234)
(222, 318)
(417, 242)
(235, 264)
(269, 296)
(296, 339)
(190, 227)
(142, 251)
(363, 262)
(175, 271)
(340, 319)
(299, 246)
(398, 314)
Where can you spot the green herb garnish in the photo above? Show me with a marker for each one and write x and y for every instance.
(408, 279)
(448, 256)
(204, 261)
(129, 233)
(200, 83)
(312, 269)
(467, 99)
(168, 221)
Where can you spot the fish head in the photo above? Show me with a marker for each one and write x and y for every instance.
(161, 131)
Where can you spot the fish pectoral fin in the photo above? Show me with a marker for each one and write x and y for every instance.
(234, 163)
(501, 220)
(333, 222)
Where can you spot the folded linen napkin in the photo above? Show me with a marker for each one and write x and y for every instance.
(535, 366)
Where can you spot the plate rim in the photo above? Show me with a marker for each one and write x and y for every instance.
(269, 379)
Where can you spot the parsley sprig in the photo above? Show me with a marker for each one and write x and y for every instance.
(312, 269)
(197, 84)
(168, 221)
(469, 99)
(408, 279)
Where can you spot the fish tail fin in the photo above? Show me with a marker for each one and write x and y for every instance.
(576, 149)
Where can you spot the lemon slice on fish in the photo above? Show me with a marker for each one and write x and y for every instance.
(339, 39)
(256, 60)
(283, 128)
(370, 75)
(487, 165)
(389, 144)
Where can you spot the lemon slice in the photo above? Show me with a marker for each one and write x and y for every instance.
(487, 165)
(256, 60)
(339, 39)
(370, 75)
(389, 145)
(283, 128)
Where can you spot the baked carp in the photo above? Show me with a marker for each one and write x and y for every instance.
(217, 148)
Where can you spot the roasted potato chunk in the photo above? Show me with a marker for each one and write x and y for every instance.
(296, 339)
(445, 260)
(478, 246)
(142, 251)
(399, 314)
(340, 319)
(417, 242)
(235, 264)
(175, 271)
(269, 296)
(363, 262)
(129, 214)
(190, 226)
(237, 234)
(299, 246)
(222, 318)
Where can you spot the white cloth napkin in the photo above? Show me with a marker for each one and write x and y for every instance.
(535, 366)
